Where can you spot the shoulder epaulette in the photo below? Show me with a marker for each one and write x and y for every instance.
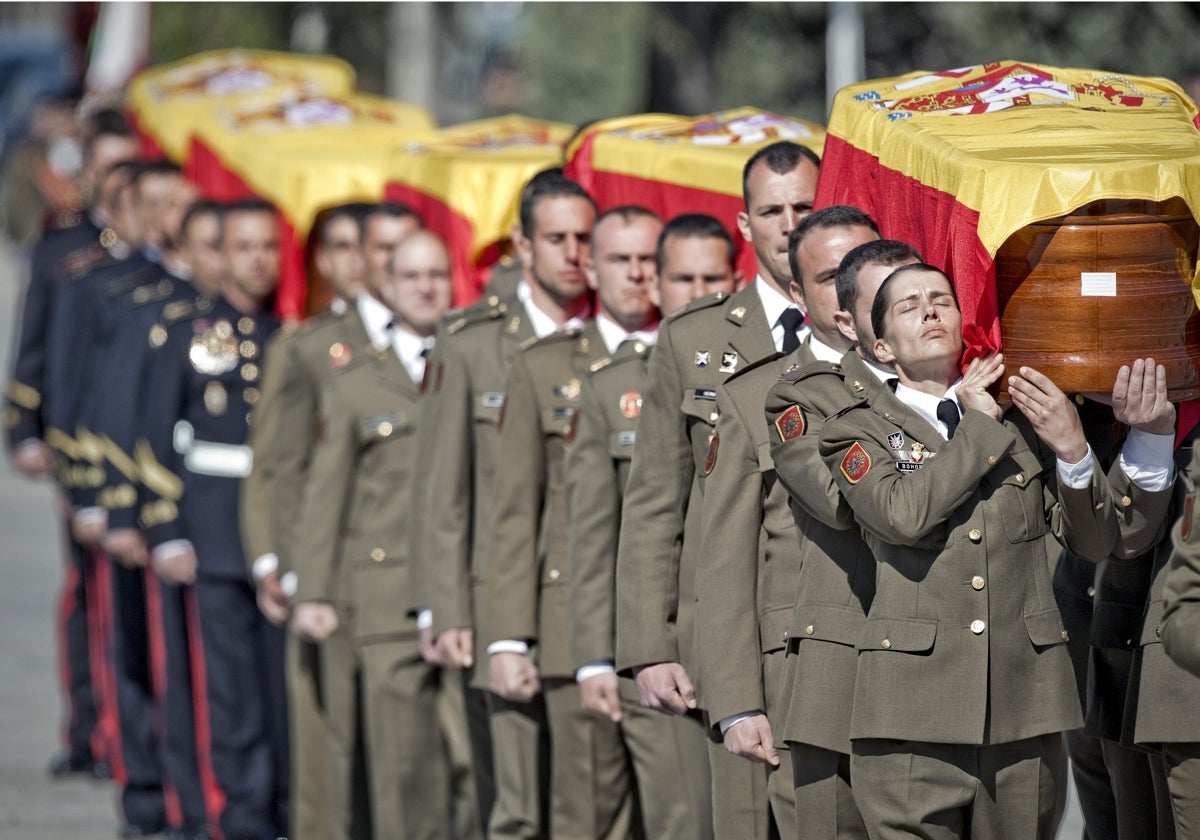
(600, 364)
(795, 373)
(706, 302)
(128, 281)
(183, 310)
(64, 220)
(80, 262)
(482, 311)
(151, 292)
(757, 364)
(850, 408)
(529, 342)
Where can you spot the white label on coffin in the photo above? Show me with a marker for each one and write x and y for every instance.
(1098, 283)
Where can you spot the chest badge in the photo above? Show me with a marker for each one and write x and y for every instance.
(214, 349)
(631, 405)
(339, 355)
(570, 391)
(711, 460)
(216, 400)
(702, 358)
(729, 361)
(896, 440)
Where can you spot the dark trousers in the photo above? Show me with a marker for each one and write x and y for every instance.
(247, 708)
(81, 735)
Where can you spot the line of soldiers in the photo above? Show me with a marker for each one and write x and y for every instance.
(617, 551)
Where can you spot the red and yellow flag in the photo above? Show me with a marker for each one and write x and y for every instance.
(466, 180)
(955, 162)
(673, 165)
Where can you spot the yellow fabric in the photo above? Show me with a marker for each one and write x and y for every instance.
(478, 169)
(1021, 142)
(704, 153)
(305, 152)
(170, 101)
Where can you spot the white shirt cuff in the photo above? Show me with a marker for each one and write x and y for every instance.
(288, 584)
(265, 565)
(171, 548)
(1077, 476)
(424, 619)
(28, 444)
(733, 720)
(508, 646)
(593, 669)
(1148, 459)
(89, 515)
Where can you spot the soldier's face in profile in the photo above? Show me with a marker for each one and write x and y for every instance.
(818, 256)
(250, 245)
(559, 245)
(339, 257)
(153, 196)
(418, 288)
(777, 203)
(857, 328)
(202, 251)
(381, 235)
(693, 266)
(621, 269)
(106, 151)
(124, 216)
(922, 323)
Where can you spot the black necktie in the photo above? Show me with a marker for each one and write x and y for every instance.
(791, 320)
(947, 412)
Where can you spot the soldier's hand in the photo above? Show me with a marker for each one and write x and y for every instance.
(1139, 398)
(665, 688)
(314, 621)
(33, 459)
(751, 738)
(429, 650)
(176, 567)
(272, 601)
(88, 529)
(981, 374)
(1051, 414)
(598, 694)
(456, 647)
(127, 546)
(513, 676)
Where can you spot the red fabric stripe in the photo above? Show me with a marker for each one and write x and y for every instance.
(97, 655)
(932, 221)
(214, 797)
(468, 276)
(611, 189)
(157, 651)
(149, 148)
(66, 605)
(205, 169)
(105, 678)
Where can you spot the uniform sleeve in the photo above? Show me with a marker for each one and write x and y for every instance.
(594, 511)
(258, 486)
(447, 433)
(798, 457)
(656, 500)
(727, 629)
(1181, 592)
(1141, 515)
(24, 394)
(327, 491)
(902, 508)
(518, 490)
(159, 465)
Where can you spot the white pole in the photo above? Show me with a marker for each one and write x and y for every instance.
(844, 61)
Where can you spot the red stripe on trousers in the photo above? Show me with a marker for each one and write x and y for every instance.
(214, 797)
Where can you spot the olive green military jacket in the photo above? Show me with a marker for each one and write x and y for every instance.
(465, 384)
(596, 470)
(963, 643)
(1181, 585)
(837, 570)
(357, 499)
(526, 597)
(750, 549)
(286, 423)
(697, 350)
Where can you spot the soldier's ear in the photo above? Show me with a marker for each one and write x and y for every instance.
(743, 223)
(845, 325)
(883, 352)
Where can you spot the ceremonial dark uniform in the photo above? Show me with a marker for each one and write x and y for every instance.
(953, 688)
(659, 550)
(466, 383)
(669, 755)
(195, 421)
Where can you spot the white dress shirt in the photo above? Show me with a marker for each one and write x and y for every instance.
(774, 304)
(375, 317)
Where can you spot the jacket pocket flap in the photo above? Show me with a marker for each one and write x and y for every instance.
(773, 627)
(912, 635)
(829, 623)
(1045, 627)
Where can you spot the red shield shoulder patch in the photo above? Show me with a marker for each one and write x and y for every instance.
(791, 423)
(855, 463)
(1185, 524)
(711, 460)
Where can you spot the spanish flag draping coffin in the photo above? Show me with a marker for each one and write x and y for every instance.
(1061, 201)
(466, 180)
(167, 103)
(303, 152)
(675, 165)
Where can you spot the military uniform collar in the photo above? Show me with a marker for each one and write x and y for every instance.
(745, 309)
(375, 319)
(822, 351)
(613, 335)
(774, 305)
(925, 405)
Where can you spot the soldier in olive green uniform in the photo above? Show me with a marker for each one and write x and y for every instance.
(960, 699)
(750, 552)
(837, 571)
(1180, 635)
(281, 436)
(355, 535)
(660, 543)
(467, 389)
(694, 257)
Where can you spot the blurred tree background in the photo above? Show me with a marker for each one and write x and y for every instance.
(581, 61)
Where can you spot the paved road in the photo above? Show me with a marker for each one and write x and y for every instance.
(31, 806)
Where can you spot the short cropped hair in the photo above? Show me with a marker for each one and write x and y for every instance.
(837, 216)
(885, 252)
(696, 226)
(781, 158)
